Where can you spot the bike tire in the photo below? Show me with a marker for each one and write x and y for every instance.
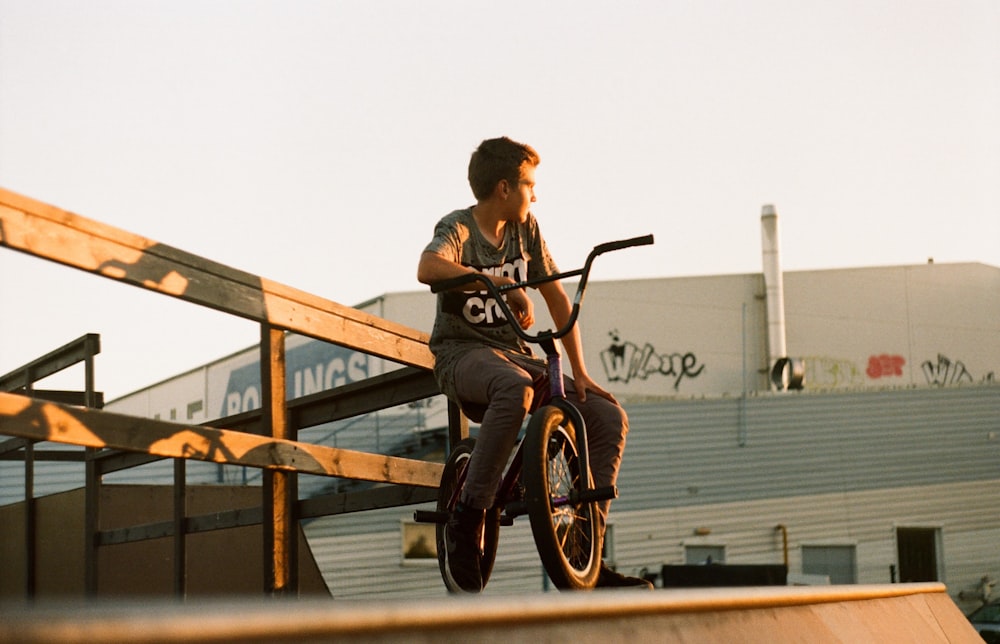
(568, 536)
(452, 477)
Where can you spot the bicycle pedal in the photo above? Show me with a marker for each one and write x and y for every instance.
(515, 509)
(506, 520)
(596, 494)
(430, 516)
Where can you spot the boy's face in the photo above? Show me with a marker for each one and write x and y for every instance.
(523, 194)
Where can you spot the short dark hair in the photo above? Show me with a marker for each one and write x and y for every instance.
(498, 159)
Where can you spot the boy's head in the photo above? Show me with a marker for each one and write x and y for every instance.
(495, 160)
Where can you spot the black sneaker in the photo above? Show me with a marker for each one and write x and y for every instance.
(463, 554)
(608, 578)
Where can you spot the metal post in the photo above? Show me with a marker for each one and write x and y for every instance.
(30, 522)
(180, 535)
(92, 522)
(30, 509)
(92, 484)
(741, 438)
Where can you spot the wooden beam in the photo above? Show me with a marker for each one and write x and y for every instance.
(279, 487)
(399, 386)
(24, 417)
(48, 232)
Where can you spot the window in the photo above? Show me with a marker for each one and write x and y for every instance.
(839, 563)
(703, 554)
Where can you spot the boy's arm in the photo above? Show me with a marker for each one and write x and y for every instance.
(560, 308)
(434, 268)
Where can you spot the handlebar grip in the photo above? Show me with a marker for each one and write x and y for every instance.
(644, 240)
(461, 280)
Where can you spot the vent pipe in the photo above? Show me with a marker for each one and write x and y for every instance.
(786, 373)
(774, 289)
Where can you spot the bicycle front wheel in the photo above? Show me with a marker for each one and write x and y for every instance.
(567, 534)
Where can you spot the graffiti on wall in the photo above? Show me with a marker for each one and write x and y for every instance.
(946, 371)
(830, 372)
(625, 361)
(825, 371)
(885, 366)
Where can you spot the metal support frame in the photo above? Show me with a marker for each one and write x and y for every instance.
(22, 380)
(280, 510)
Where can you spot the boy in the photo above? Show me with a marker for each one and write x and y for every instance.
(480, 361)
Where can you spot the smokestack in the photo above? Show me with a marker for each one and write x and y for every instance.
(774, 288)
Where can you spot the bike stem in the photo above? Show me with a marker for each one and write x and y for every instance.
(553, 360)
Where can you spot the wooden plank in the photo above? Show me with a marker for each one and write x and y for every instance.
(24, 417)
(397, 387)
(44, 231)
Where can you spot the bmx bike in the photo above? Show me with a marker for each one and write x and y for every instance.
(548, 477)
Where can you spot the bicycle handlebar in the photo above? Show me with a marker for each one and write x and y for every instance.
(645, 240)
(497, 291)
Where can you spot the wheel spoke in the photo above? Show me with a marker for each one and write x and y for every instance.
(569, 524)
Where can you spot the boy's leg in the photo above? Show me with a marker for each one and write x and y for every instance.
(607, 427)
(485, 376)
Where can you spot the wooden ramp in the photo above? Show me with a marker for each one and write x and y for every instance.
(855, 614)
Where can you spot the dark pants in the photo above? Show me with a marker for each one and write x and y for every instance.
(488, 377)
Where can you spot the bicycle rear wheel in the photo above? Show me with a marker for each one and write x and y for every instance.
(567, 534)
(452, 479)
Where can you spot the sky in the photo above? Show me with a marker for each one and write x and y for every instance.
(316, 143)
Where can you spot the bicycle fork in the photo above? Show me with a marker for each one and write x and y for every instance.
(557, 392)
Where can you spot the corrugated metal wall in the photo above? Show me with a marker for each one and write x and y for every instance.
(834, 469)
(689, 453)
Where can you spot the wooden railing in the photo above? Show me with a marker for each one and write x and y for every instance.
(266, 438)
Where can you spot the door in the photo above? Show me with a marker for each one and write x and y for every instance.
(917, 551)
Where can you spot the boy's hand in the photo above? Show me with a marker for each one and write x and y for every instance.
(522, 307)
(584, 384)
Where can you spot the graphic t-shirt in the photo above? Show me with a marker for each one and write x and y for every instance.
(473, 318)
